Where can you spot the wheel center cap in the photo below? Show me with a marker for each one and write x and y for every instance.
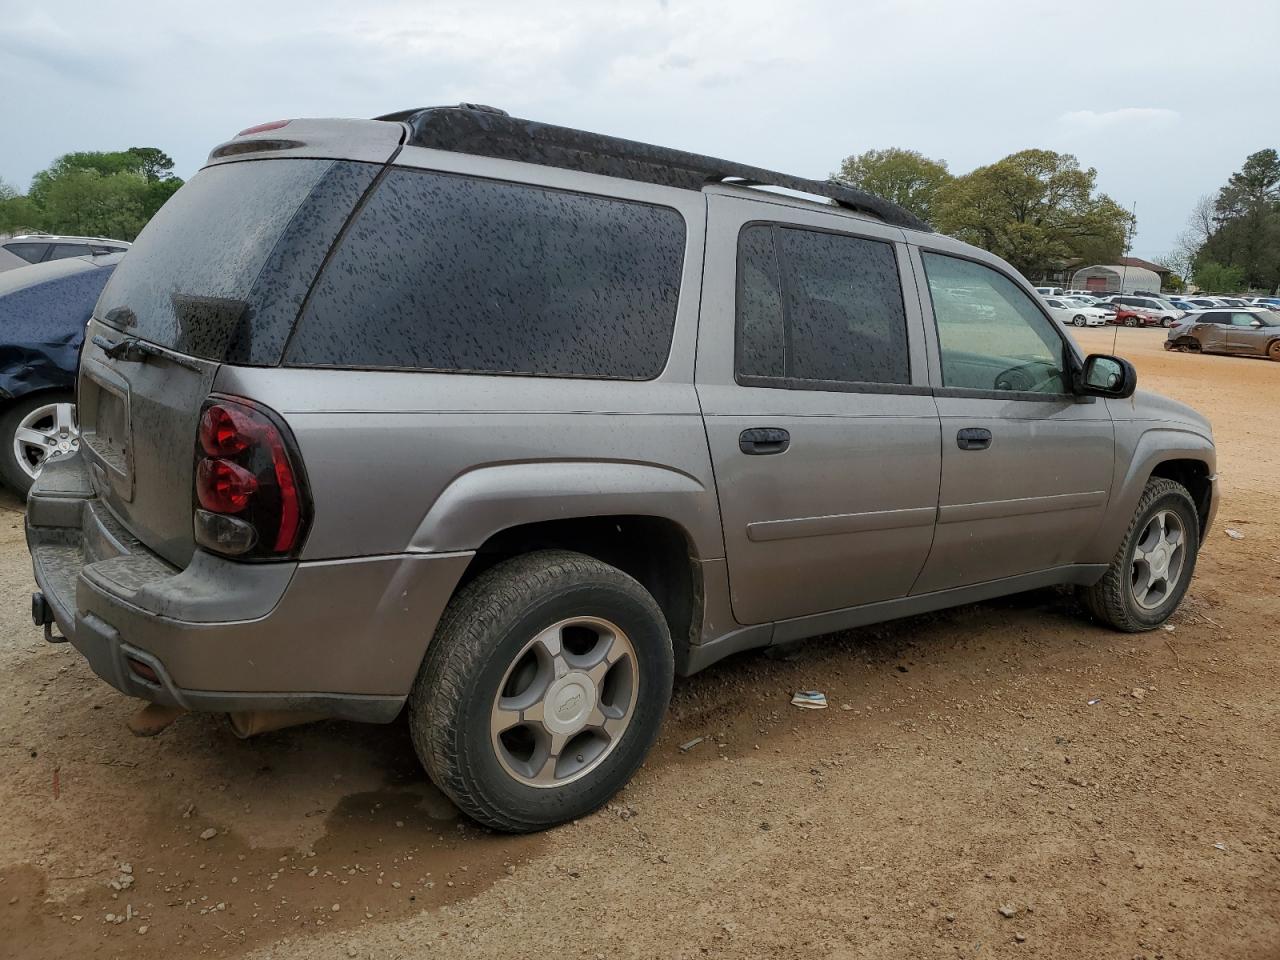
(569, 702)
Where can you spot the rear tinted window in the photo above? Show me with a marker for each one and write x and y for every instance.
(454, 274)
(221, 271)
(818, 308)
(61, 251)
(30, 252)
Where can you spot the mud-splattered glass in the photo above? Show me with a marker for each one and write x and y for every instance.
(456, 274)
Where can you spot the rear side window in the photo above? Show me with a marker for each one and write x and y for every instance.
(61, 251)
(221, 271)
(30, 252)
(815, 309)
(460, 275)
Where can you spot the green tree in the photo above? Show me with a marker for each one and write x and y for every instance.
(1036, 209)
(1247, 215)
(101, 193)
(1255, 186)
(907, 177)
(1218, 278)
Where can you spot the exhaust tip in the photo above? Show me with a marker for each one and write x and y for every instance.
(250, 723)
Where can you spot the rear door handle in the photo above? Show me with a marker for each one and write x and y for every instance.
(759, 441)
(973, 438)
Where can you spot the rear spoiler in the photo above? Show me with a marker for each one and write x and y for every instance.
(368, 141)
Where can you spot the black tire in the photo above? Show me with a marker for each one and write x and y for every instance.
(11, 471)
(480, 635)
(1131, 322)
(1111, 599)
(1273, 350)
(1078, 320)
(1166, 322)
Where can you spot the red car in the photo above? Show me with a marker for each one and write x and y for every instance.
(1133, 318)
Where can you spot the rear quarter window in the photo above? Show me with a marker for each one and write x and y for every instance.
(455, 274)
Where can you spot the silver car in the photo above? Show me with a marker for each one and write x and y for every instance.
(29, 248)
(1249, 333)
(507, 424)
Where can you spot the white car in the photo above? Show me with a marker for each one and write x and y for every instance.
(1077, 314)
(1049, 291)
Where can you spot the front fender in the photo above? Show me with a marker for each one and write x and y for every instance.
(1140, 448)
(489, 499)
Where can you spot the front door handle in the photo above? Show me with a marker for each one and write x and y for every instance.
(759, 441)
(973, 438)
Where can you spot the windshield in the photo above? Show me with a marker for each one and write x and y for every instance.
(1268, 318)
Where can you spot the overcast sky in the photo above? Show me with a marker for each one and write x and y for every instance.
(1164, 99)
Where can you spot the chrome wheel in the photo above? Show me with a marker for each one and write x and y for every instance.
(1078, 321)
(1158, 560)
(44, 434)
(565, 702)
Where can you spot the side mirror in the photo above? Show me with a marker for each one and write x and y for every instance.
(1255, 323)
(1106, 376)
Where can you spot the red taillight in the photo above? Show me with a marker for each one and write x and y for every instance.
(263, 127)
(223, 486)
(250, 494)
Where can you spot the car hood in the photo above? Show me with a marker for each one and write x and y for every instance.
(1144, 405)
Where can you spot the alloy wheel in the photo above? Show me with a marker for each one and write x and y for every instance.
(44, 434)
(1158, 560)
(565, 702)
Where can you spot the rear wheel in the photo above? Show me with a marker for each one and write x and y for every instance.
(32, 431)
(542, 691)
(1152, 569)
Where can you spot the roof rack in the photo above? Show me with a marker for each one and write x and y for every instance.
(489, 132)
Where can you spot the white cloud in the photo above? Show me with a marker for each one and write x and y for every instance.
(1125, 118)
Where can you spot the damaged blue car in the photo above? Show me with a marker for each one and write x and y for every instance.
(43, 312)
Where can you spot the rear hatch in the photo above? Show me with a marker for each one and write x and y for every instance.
(218, 276)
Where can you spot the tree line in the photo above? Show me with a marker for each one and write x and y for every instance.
(92, 193)
(1232, 239)
(1035, 208)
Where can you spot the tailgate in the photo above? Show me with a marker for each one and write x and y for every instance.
(138, 422)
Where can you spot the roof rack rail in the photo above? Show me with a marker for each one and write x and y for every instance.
(490, 132)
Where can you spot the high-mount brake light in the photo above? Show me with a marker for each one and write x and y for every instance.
(263, 127)
(250, 493)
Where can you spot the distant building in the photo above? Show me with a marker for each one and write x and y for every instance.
(1131, 275)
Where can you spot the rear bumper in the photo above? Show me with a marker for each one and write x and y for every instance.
(343, 638)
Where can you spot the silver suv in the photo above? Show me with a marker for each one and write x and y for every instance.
(509, 423)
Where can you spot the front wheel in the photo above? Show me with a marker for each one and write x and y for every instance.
(34, 430)
(1273, 350)
(1131, 322)
(1078, 320)
(542, 691)
(1151, 571)
(1166, 322)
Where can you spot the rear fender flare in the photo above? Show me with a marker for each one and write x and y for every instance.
(489, 499)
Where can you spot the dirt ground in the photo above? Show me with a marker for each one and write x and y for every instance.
(1117, 795)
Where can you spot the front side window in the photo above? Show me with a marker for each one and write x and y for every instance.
(1243, 319)
(456, 274)
(990, 333)
(817, 309)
